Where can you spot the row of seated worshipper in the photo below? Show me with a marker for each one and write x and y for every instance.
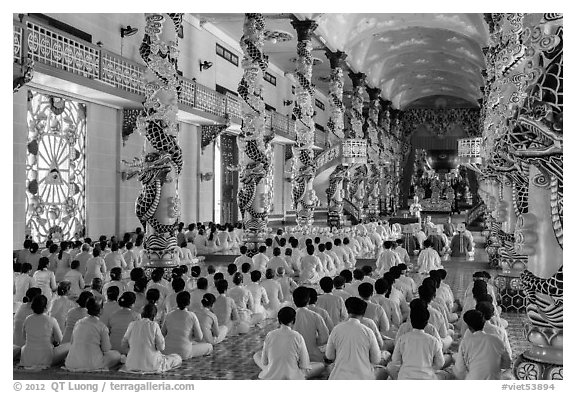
(193, 311)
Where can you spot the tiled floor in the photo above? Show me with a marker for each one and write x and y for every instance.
(232, 359)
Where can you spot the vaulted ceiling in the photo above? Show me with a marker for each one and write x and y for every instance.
(411, 57)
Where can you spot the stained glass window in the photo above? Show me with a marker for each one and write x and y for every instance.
(55, 168)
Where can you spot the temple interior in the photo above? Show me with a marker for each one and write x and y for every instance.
(367, 126)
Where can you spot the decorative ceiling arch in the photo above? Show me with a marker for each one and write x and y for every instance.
(391, 49)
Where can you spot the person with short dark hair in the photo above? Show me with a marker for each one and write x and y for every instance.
(41, 333)
(376, 313)
(480, 355)
(259, 295)
(354, 347)
(277, 260)
(284, 354)
(260, 260)
(312, 269)
(226, 311)
(75, 278)
(383, 290)
(326, 261)
(309, 324)
(198, 293)
(417, 354)
(406, 284)
(244, 302)
(387, 258)
(145, 344)
(114, 258)
(340, 286)
(286, 282)
(183, 332)
(330, 302)
(319, 310)
(90, 348)
(427, 293)
(428, 258)
(274, 293)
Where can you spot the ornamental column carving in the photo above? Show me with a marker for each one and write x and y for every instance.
(255, 192)
(304, 198)
(158, 205)
(335, 124)
(372, 211)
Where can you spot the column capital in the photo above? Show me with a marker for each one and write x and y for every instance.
(358, 78)
(373, 93)
(304, 28)
(336, 58)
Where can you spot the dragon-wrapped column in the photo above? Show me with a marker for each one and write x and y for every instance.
(256, 153)
(304, 199)
(335, 124)
(158, 205)
(536, 139)
(372, 210)
(356, 190)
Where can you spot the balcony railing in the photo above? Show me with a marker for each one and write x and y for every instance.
(52, 47)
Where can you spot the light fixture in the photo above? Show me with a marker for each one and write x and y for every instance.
(100, 44)
(288, 102)
(204, 65)
(128, 31)
(206, 176)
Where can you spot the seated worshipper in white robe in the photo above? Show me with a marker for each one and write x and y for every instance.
(226, 311)
(376, 313)
(354, 347)
(480, 355)
(427, 293)
(244, 302)
(326, 260)
(382, 287)
(259, 295)
(213, 332)
(333, 304)
(310, 325)
(90, 348)
(387, 258)
(118, 322)
(243, 258)
(277, 260)
(284, 354)
(312, 270)
(260, 260)
(428, 259)
(145, 343)
(420, 235)
(42, 337)
(319, 310)
(401, 251)
(491, 325)
(22, 313)
(274, 292)
(61, 304)
(417, 354)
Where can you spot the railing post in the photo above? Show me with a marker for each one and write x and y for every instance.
(24, 49)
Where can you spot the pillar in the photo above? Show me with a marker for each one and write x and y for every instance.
(304, 199)
(158, 205)
(256, 158)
